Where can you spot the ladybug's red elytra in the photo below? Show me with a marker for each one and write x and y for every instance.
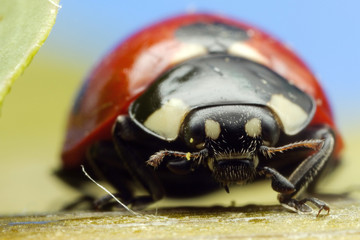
(198, 102)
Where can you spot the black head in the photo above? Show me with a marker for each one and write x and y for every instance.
(230, 136)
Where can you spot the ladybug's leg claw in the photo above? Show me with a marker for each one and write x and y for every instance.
(300, 206)
(286, 189)
(297, 206)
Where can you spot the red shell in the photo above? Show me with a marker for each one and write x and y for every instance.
(134, 64)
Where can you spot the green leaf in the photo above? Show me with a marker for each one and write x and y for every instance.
(24, 27)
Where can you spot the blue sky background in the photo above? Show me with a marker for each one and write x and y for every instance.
(326, 34)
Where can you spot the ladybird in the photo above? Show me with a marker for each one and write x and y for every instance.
(198, 102)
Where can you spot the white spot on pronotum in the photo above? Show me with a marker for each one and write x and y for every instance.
(107, 191)
(242, 49)
(212, 129)
(187, 51)
(291, 115)
(166, 121)
(253, 127)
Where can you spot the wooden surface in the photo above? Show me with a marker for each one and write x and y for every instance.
(249, 222)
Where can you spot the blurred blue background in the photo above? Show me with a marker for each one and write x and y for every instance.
(326, 34)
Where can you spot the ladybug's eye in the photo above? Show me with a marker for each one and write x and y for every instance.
(270, 130)
(193, 131)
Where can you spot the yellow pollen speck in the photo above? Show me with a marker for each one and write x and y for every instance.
(191, 140)
(188, 156)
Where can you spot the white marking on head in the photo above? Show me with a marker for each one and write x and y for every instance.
(166, 121)
(253, 127)
(212, 129)
(187, 51)
(242, 49)
(291, 115)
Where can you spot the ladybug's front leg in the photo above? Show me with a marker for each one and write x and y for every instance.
(307, 170)
(131, 146)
